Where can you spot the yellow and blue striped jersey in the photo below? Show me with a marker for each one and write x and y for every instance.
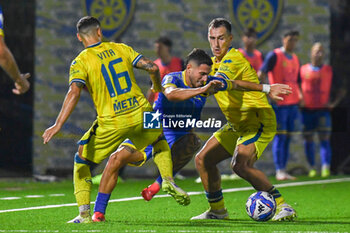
(107, 71)
(1, 23)
(235, 104)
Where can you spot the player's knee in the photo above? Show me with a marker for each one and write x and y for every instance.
(115, 162)
(244, 160)
(240, 169)
(199, 161)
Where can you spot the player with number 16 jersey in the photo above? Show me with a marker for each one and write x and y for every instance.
(107, 71)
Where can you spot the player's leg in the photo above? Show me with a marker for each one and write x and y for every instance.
(280, 143)
(117, 160)
(309, 125)
(249, 149)
(215, 150)
(162, 158)
(246, 156)
(292, 117)
(82, 187)
(182, 151)
(325, 127)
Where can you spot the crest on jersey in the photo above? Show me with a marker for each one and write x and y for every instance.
(114, 15)
(262, 15)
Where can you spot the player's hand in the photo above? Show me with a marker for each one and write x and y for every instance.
(279, 89)
(212, 87)
(50, 132)
(22, 85)
(157, 89)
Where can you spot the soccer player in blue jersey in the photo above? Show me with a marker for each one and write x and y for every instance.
(185, 94)
(106, 69)
(8, 63)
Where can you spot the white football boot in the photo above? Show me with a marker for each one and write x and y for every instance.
(284, 212)
(211, 215)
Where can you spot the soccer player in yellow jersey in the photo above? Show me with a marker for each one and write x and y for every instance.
(251, 125)
(106, 69)
(8, 63)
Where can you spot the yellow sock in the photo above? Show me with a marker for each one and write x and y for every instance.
(162, 158)
(280, 200)
(218, 206)
(82, 183)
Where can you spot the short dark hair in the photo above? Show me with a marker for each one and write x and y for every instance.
(85, 24)
(291, 33)
(219, 22)
(199, 56)
(165, 41)
(250, 32)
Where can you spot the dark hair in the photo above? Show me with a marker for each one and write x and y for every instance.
(165, 41)
(199, 56)
(85, 24)
(291, 33)
(249, 32)
(219, 22)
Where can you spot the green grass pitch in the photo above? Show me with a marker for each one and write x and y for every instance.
(321, 207)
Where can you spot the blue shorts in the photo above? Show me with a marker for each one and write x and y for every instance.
(316, 120)
(286, 117)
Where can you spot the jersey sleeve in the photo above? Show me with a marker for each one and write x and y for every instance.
(133, 55)
(227, 83)
(169, 81)
(77, 72)
(269, 62)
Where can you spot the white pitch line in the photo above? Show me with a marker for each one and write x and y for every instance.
(57, 195)
(10, 198)
(34, 196)
(190, 193)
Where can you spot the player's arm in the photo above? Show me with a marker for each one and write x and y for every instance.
(175, 94)
(71, 100)
(153, 70)
(274, 91)
(8, 63)
(268, 65)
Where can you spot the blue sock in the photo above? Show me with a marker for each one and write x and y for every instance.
(310, 152)
(214, 196)
(278, 148)
(325, 152)
(286, 151)
(159, 180)
(101, 202)
(274, 192)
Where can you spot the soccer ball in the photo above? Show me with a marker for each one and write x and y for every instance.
(261, 206)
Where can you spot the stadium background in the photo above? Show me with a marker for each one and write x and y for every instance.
(41, 35)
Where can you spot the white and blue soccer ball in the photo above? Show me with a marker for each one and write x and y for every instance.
(261, 206)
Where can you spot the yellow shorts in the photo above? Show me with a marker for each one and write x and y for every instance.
(101, 140)
(259, 131)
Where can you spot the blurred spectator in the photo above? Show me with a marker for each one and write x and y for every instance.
(8, 63)
(253, 55)
(165, 61)
(282, 66)
(316, 81)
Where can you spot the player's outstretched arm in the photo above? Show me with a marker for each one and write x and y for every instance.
(181, 94)
(68, 106)
(153, 70)
(274, 91)
(8, 63)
